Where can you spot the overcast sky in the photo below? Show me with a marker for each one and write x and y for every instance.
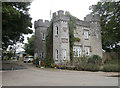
(40, 9)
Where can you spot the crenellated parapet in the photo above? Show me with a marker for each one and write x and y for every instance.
(60, 16)
(92, 17)
(41, 23)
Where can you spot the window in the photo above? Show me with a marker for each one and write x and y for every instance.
(56, 30)
(42, 55)
(56, 54)
(85, 34)
(77, 51)
(43, 36)
(87, 51)
(64, 54)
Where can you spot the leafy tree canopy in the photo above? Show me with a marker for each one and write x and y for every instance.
(15, 22)
(29, 47)
(110, 23)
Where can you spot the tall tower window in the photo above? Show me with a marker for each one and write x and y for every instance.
(56, 54)
(85, 34)
(56, 30)
(43, 36)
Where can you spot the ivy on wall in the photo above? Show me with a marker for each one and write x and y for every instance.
(49, 40)
(72, 39)
(49, 46)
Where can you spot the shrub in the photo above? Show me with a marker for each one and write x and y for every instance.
(5, 58)
(83, 60)
(34, 61)
(110, 68)
(43, 63)
(91, 67)
(95, 59)
(52, 65)
(80, 68)
(37, 61)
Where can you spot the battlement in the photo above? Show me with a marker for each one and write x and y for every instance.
(82, 23)
(60, 15)
(92, 17)
(41, 23)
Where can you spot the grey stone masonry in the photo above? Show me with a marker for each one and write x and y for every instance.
(61, 46)
(41, 30)
(88, 30)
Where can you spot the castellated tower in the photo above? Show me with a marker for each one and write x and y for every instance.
(95, 33)
(61, 46)
(41, 30)
(88, 31)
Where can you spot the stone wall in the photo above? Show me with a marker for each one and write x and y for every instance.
(60, 40)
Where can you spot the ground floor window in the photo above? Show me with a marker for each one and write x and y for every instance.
(64, 54)
(56, 54)
(87, 51)
(42, 54)
(77, 51)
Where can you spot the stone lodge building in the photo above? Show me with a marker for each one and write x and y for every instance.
(89, 32)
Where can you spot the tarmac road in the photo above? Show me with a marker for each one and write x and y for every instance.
(53, 77)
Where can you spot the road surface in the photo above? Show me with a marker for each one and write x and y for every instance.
(34, 76)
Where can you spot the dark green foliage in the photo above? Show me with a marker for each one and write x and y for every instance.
(29, 47)
(110, 68)
(95, 59)
(15, 22)
(49, 46)
(76, 39)
(91, 67)
(110, 23)
(92, 63)
(82, 61)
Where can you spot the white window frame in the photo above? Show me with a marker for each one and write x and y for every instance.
(86, 34)
(64, 54)
(77, 51)
(87, 51)
(56, 58)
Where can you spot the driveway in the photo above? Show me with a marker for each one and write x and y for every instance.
(33, 76)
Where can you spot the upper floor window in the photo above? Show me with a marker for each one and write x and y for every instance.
(43, 36)
(86, 34)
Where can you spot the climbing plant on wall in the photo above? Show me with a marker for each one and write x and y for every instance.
(49, 46)
(72, 39)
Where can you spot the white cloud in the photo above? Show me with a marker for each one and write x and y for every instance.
(40, 9)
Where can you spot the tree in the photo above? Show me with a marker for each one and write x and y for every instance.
(29, 47)
(110, 23)
(15, 22)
